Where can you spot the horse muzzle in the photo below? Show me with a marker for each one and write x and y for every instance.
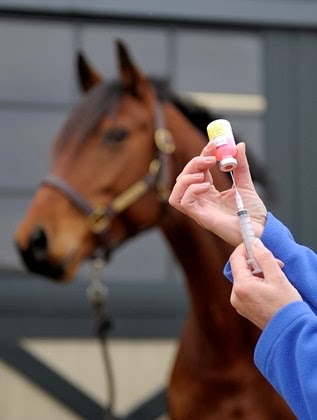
(36, 258)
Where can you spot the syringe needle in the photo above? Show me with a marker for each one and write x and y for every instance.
(246, 229)
(239, 201)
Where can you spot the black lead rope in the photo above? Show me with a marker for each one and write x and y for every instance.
(97, 294)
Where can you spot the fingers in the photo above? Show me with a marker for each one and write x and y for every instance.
(191, 196)
(199, 164)
(209, 149)
(238, 262)
(270, 266)
(195, 172)
(180, 188)
(258, 299)
(241, 173)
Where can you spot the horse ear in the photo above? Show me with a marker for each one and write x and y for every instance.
(88, 77)
(132, 78)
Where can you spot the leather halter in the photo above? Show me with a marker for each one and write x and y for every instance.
(99, 217)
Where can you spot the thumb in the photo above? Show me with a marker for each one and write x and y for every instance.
(270, 266)
(242, 172)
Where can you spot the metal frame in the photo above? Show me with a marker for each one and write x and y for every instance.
(243, 13)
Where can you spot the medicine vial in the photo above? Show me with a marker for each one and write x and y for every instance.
(220, 132)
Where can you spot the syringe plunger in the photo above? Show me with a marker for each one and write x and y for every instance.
(248, 236)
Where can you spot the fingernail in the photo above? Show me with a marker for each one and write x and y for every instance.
(256, 242)
(209, 159)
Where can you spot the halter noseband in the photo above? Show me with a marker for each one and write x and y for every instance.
(99, 217)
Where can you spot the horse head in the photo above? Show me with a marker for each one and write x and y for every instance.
(107, 178)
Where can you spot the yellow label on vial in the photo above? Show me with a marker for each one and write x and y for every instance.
(215, 130)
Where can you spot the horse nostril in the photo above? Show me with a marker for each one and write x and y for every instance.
(36, 255)
(38, 244)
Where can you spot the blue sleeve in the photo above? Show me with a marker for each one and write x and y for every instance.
(286, 351)
(300, 262)
(286, 355)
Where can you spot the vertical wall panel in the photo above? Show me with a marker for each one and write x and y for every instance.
(219, 61)
(282, 130)
(306, 145)
(27, 135)
(36, 61)
(291, 78)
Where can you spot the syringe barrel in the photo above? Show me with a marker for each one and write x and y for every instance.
(248, 236)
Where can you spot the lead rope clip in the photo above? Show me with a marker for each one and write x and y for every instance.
(97, 293)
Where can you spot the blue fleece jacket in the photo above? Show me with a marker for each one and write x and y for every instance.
(286, 352)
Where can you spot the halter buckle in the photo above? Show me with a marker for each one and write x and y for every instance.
(98, 220)
(164, 140)
(154, 167)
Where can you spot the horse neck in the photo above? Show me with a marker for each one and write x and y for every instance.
(201, 254)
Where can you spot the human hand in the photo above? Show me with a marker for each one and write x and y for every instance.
(259, 298)
(196, 195)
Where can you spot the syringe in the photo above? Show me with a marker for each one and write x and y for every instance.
(246, 229)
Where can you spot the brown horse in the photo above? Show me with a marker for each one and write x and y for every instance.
(113, 165)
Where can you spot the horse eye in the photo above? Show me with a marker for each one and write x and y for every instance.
(115, 135)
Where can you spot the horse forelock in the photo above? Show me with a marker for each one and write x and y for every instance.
(86, 115)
